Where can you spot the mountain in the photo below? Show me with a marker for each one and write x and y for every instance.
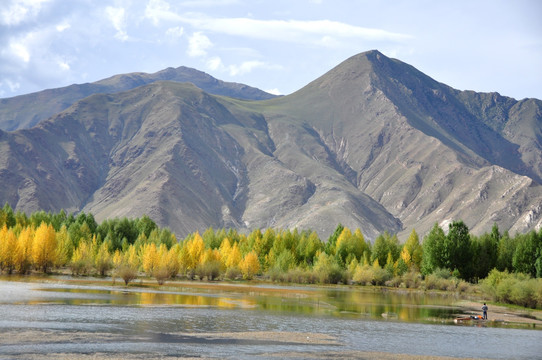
(25, 111)
(373, 143)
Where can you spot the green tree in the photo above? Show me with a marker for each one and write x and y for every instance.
(506, 250)
(331, 244)
(384, 244)
(7, 217)
(458, 249)
(484, 254)
(414, 249)
(525, 255)
(308, 247)
(433, 256)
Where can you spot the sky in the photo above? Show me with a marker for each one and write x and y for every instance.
(278, 46)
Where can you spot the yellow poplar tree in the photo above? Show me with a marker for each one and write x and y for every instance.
(127, 264)
(149, 258)
(160, 268)
(103, 261)
(250, 265)
(44, 247)
(196, 248)
(225, 248)
(8, 248)
(172, 261)
(23, 254)
(64, 249)
(405, 255)
(234, 258)
(81, 262)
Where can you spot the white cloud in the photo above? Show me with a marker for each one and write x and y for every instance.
(13, 86)
(159, 10)
(245, 67)
(63, 65)
(62, 27)
(175, 32)
(21, 51)
(320, 32)
(215, 63)
(117, 16)
(198, 45)
(19, 11)
(274, 91)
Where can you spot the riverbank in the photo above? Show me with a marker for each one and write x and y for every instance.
(506, 314)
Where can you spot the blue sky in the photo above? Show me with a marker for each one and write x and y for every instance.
(278, 46)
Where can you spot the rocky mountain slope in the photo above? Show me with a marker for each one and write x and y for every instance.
(25, 111)
(373, 143)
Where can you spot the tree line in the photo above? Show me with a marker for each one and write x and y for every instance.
(126, 247)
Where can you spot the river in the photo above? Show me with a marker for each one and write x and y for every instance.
(80, 317)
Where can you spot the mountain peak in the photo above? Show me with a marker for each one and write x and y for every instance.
(372, 144)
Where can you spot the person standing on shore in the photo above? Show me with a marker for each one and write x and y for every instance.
(484, 309)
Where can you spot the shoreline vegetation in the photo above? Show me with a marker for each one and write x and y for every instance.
(493, 266)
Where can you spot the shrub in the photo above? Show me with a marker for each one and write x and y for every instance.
(233, 273)
(516, 288)
(395, 281)
(380, 276)
(328, 270)
(301, 276)
(523, 293)
(161, 274)
(363, 275)
(127, 273)
(442, 273)
(209, 270)
(463, 286)
(412, 279)
(81, 267)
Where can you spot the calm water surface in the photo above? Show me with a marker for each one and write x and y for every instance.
(156, 320)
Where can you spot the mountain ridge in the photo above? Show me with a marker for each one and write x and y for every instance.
(15, 112)
(373, 143)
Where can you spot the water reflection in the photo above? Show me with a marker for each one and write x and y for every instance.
(351, 302)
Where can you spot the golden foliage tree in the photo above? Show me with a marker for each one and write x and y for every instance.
(250, 265)
(103, 261)
(173, 264)
(64, 247)
(8, 248)
(149, 258)
(44, 247)
(81, 262)
(127, 264)
(23, 255)
(196, 248)
(234, 257)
